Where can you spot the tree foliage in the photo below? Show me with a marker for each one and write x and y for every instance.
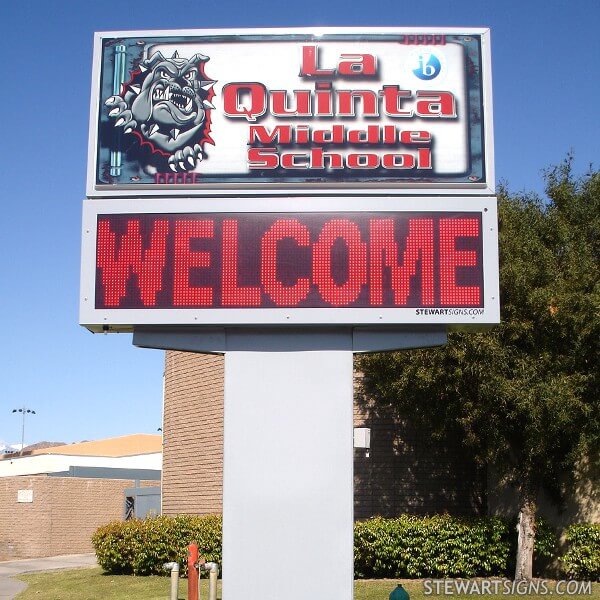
(524, 395)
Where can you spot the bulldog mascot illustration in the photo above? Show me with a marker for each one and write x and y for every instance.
(167, 105)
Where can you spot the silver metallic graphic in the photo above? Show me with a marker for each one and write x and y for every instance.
(166, 104)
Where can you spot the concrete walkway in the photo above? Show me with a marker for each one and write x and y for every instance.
(9, 588)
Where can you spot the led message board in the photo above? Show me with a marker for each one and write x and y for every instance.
(330, 262)
(291, 111)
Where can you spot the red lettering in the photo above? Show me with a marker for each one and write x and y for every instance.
(392, 101)
(415, 137)
(398, 161)
(185, 259)
(349, 65)
(318, 157)
(288, 161)
(310, 59)
(424, 158)
(247, 100)
(370, 135)
(312, 260)
(335, 136)
(263, 158)
(233, 294)
(363, 161)
(357, 64)
(384, 253)
(323, 99)
(118, 266)
(280, 103)
(281, 134)
(282, 295)
(347, 292)
(436, 104)
(451, 258)
(346, 102)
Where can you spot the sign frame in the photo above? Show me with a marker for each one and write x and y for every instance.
(364, 187)
(124, 320)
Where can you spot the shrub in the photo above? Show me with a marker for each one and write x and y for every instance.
(142, 546)
(408, 546)
(440, 546)
(582, 559)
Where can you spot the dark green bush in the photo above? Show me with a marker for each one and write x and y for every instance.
(408, 546)
(440, 546)
(546, 540)
(142, 546)
(582, 559)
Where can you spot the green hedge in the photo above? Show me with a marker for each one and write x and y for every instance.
(408, 546)
(582, 559)
(142, 546)
(440, 546)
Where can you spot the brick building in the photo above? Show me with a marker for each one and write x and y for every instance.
(53, 499)
(62, 515)
(405, 471)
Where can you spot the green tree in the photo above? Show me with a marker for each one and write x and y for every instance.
(524, 395)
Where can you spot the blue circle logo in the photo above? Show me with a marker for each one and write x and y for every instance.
(428, 66)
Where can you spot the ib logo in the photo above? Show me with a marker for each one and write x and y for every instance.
(426, 65)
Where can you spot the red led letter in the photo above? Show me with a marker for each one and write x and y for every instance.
(118, 265)
(344, 294)
(450, 258)
(281, 294)
(185, 259)
(384, 253)
(233, 295)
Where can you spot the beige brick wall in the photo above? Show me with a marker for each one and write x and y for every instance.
(62, 517)
(405, 472)
(192, 478)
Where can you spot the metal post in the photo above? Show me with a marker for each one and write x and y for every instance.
(174, 568)
(23, 410)
(213, 576)
(22, 432)
(193, 571)
(118, 79)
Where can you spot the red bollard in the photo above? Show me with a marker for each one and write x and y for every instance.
(193, 571)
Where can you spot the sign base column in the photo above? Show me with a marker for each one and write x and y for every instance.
(288, 467)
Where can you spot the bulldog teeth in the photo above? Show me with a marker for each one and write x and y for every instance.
(174, 133)
(182, 101)
(159, 94)
(153, 129)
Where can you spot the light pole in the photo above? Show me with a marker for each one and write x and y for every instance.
(24, 410)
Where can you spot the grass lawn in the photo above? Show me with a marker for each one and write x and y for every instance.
(92, 584)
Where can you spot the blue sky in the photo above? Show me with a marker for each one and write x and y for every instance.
(545, 57)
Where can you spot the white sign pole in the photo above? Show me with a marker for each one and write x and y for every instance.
(288, 467)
